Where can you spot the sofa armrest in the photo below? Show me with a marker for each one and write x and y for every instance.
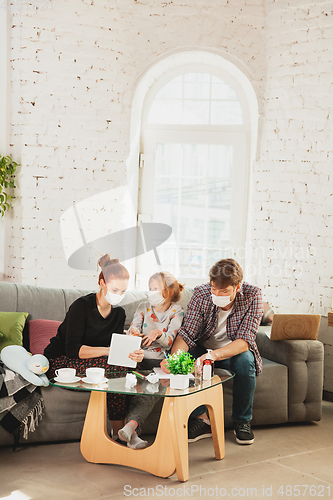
(305, 362)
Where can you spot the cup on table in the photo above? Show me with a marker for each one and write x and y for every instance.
(95, 375)
(65, 374)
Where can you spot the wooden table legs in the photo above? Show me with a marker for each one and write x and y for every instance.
(98, 447)
(169, 452)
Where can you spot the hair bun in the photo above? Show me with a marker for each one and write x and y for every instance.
(113, 261)
(106, 261)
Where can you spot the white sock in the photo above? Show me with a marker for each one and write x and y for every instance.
(127, 431)
(137, 443)
(206, 420)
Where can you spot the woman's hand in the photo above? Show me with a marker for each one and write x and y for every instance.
(135, 332)
(151, 336)
(136, 355)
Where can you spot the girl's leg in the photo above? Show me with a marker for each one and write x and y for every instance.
(139, 409)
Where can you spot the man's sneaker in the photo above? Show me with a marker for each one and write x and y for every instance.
(243, 432)
(198, 429)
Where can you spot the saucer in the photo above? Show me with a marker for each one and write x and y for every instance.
(87, 381)
(72, 381)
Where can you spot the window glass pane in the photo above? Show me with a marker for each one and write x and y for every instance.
(167, 256)
(168, 159)
(191, 262)
(165, 111)
(193, 193)
(191, 229)
(195, 160)
(226, 113)
(195, 112)
(220, 161)
(219, 194)
(196, 98)
(166, 202)
(212, 256)
(216, 231)
(222, 91)
(172, 90)
(196, 86)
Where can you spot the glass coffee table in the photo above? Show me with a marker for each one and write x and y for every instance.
(169, 452)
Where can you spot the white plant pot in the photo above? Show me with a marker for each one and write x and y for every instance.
(179, 381)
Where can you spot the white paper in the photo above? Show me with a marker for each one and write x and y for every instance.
(121, 346)
(164, 375)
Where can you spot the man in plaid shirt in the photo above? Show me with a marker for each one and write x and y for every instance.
(224, 315)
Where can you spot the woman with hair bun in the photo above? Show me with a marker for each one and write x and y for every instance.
(83, 338)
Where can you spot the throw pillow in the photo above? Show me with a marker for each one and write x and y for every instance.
(267, 317)
(11, 328)
(40, 333)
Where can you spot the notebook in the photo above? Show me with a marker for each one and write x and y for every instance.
(120, 347)
(295, 326)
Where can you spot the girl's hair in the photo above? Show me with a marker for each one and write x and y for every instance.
(111, 268)
(171, 288)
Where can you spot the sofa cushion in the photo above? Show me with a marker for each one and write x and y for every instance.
(11, 328)
(40, 333)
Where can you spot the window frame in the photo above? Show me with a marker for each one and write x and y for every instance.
(218, 134)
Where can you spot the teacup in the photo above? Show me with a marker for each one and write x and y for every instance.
(65, 374)
(95, 375)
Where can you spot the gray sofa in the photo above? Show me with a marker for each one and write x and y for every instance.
(288, 390)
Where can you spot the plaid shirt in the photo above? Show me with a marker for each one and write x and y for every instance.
(201, 318)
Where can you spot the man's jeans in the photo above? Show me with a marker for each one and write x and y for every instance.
(244, 383)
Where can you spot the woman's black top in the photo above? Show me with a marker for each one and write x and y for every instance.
(84, 325)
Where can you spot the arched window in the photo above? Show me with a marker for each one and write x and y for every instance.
(195, 169)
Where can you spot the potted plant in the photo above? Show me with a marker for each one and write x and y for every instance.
(7, 169)
(180, 365)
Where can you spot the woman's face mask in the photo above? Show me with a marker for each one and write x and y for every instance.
(114, 292)
(113, 298)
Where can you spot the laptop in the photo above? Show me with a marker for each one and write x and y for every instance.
(295, 326)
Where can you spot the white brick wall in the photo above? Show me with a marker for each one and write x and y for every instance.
(293, 198)
(74, 72)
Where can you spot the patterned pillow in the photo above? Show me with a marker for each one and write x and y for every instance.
(11, 328)
(267, 317)
(40, 333)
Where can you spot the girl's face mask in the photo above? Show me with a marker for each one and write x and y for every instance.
(155, 298)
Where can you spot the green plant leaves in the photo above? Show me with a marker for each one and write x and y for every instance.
(7, 169)
(180, 363)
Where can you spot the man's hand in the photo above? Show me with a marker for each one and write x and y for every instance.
(204, 356)
(151, 336)
(163, 364)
